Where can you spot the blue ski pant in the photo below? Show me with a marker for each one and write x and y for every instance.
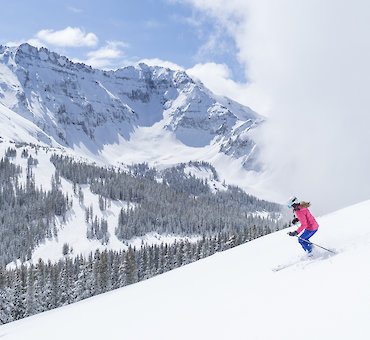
(307, 246)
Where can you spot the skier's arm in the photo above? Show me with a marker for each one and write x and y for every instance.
(295, 220)
(303, 219)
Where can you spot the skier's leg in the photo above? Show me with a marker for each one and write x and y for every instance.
(308, 237)
(302, 241)
(307, 234)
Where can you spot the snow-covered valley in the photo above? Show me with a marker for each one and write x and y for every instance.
(236, 294)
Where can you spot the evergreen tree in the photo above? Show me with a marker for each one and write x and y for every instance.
(19, 297)
(130, 268)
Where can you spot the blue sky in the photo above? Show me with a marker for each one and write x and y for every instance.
(127, 31)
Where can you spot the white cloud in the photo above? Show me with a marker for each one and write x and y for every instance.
(160, 62)
(211, 73)
(310, 60)
(33, 42)
(214, 45)
(68, 37)
(218, 78)
(111, 50)
(106, 56)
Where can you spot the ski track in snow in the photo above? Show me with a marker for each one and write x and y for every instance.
(235, 295)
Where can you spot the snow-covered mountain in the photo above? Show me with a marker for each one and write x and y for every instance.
(49, 104)
(235, 294)
(134, 114)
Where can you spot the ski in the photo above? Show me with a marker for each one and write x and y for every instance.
(305, 261)
(287, 265)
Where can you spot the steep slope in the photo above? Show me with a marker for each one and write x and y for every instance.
(15, 127)
(235, 294)
(100, 113)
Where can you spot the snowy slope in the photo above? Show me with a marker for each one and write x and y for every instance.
(16, 128)
(235, 294)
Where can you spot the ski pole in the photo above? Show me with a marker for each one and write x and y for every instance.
(315, 244)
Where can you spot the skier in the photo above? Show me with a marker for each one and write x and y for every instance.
(308, 222)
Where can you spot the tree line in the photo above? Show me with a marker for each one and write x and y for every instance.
(168, 202)
(32, 289)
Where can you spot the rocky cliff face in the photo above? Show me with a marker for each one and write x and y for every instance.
(75, 104)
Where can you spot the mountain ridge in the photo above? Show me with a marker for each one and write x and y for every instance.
(79, 107)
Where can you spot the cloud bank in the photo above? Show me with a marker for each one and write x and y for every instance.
(107, 55)
(308, 68)
(218, 78)
(68, 37)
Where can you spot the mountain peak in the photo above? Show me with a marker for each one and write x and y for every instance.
(27, 48)
(75, 104)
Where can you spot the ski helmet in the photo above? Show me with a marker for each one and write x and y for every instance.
(292, 200)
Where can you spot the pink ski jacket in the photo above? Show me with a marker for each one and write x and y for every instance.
(307, 220)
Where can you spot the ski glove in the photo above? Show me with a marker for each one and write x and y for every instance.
(293, 233)
(295, 220)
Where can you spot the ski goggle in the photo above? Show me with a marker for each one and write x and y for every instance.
(293, 200)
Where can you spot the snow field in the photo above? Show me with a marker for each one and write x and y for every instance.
(235, 294)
